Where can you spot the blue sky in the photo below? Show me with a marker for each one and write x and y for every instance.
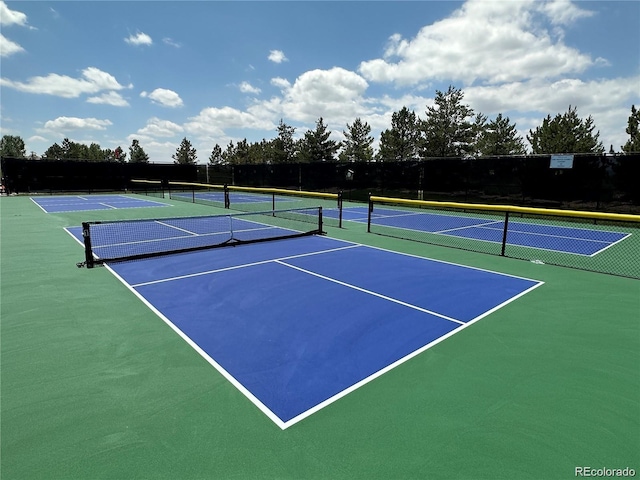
(213, 72)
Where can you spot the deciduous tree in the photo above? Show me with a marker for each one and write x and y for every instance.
(12, 146)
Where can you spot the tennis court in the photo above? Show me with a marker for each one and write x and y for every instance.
(75, 203)
(346, 355)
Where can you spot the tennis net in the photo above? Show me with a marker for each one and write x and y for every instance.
(126, 240)
(254, 199)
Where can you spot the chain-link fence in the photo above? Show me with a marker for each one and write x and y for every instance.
(595, 241)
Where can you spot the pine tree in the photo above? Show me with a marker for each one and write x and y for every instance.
(216, 157)
(357, 143)
(448, 130)
(633, 129)
(185, 153)
(137, 153)
(500, 137)
(566, 133)
(402, 141)
(316, 145)
(284, 146)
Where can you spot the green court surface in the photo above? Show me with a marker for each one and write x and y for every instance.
(94, 385)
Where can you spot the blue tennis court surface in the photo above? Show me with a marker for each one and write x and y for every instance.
(575, 240)
(78, 203)
(296, 324)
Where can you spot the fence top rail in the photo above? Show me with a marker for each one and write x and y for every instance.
(283, 191)
(151, 182)
(620, 217)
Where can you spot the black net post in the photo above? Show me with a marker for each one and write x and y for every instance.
(88, 251)
(320, 231)
(370, 211)
(505, 232)
(340, 209)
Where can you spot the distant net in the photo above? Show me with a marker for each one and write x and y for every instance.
(594, 241)
(152, 188)
(126, 240)
(202, 193)
(252, 199)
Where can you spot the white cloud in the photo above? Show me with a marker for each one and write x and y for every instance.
(11, 17)
(160, 128)
(492, 42)
(281, 83)
(139, 39)
(563, 12)
(164, 97)
(277, 56)
(246, 87)
(110, 98)
(65, 124)
(211, 122)
(8, 47)
(336, 93)
(93, 81)
(171, 42)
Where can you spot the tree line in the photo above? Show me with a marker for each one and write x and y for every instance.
(450, 128)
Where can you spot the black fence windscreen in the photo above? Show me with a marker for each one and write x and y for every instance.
(595, 182)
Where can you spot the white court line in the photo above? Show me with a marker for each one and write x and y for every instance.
(398, 362)
(107, 205)
(610, 245)
(176, 228)
(41, 207)
(543, 234)
(480, 225)
(142, 242)
(234, 267)
(496, 242)
(250, 396)
(261, 406)
(370, 292)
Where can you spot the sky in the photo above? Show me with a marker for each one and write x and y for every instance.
(213, 71)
